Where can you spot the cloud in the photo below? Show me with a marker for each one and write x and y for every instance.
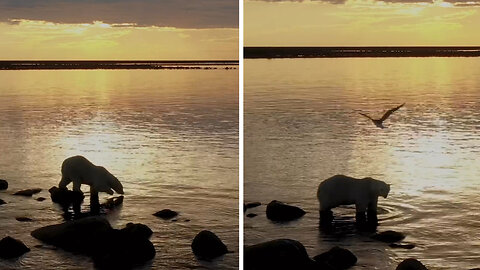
(193, 14)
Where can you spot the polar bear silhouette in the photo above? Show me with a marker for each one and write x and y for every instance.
(79, 170)
(344, 190)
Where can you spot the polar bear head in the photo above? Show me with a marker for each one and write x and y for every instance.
(379, 187)
(105, 182)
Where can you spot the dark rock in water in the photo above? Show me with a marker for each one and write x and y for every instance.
(93, 236)
(411, 264)
(404, 246)
(65, 197)
(12, 248)
(336, 258)
(128, 248)
(40, 199)
(24, 219)
(28, 192)
(278, 211)
(138, 229)
(207, 246)
(251, 215)
(166, 214)
(3, 184)
(252, 205)
(389, 236)
(112, 202)
(46, 247)
(279, 254)
(2, 202)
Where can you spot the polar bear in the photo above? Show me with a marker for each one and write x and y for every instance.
(344, 190)
(80, 170)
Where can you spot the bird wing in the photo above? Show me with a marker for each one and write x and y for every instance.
(366, 116)
(387, 114)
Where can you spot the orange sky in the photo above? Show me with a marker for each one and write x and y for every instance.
(45, 40)
(360, 23)
(119, 29)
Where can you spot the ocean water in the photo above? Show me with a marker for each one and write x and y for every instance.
(302, 125)
(170, 136)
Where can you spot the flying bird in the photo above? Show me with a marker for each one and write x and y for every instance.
(379, 122)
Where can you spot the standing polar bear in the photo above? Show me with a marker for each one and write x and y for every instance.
(344, 190)
(80, 171)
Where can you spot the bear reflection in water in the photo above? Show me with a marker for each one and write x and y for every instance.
(344, 190)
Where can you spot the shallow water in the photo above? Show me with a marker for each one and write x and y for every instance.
(302, 126)
(170, 136)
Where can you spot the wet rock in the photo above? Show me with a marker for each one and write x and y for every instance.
(65, 197)
(166, 214)
(278, 211)
(279, 254)
(40, 199)
(411, 264)
(93, 236)
(24, 219)
(404, 246)
(12, 248)
(336, 258)
(389, 236)
(138, 229)
(112, 202)
(2, 202)
(252, 205)
(3, 184)
(28, 192)
(207, 246)
(46, 247)
(251, 215)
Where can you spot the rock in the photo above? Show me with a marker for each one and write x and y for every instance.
(207, 246)
(93, 236)
(112, 202)
(2, 202)
(389, 236)
(138, 229)
(40, 199)
(279, 254)
(65, 197)
(127, 250)
(336, 258)
(411, 264)
(251, 215)
(12, 248)
(404, 246)
(24, 219)
(28, 192)
(252, 205)
(3, 184)
(166, 214)
(278, 211)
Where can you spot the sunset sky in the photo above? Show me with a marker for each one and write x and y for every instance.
(361, 22)
(119, 29)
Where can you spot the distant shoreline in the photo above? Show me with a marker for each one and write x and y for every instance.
(143, 64)
(341, 52)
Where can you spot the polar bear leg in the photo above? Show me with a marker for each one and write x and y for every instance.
(360, 208)
(94, 201)
(76, 185)
(372, 212)
(64, 182)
